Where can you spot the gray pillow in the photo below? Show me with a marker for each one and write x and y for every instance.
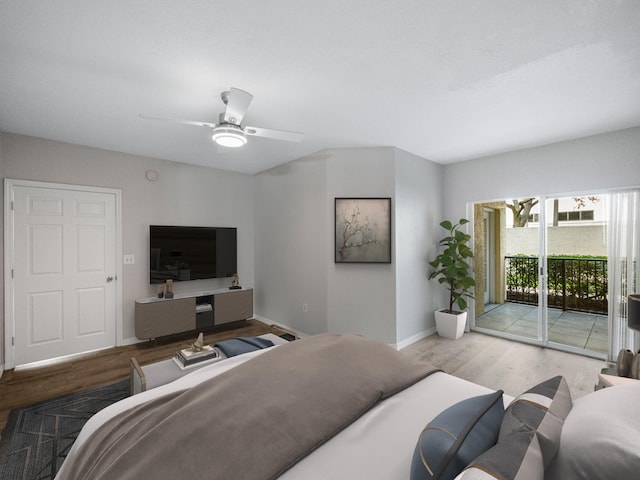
(517, 457)
(601, 436)
(457, 436)
(541, 409)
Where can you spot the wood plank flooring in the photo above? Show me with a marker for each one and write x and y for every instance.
(25, 387)
(504, 364)
(490, 361)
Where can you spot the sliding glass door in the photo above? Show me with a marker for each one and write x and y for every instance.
(551, 265)
(577, 287)
(506, 266)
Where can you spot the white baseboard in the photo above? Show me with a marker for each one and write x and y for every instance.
(1, 370)
(399, 346)
(130, 341)
(279, 324)
(415, 338)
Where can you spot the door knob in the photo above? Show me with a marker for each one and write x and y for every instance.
(109, 279)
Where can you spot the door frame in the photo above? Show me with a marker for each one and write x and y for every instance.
(9, 307)
(489, 260)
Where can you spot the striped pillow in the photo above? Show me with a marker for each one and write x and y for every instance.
(541, 409)
(529, 435)
(517, 458)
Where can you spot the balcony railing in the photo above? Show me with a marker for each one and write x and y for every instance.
(577, 284)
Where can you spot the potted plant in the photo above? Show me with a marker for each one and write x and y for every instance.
(451, 268)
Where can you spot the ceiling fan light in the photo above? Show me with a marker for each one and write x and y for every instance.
(229, 136)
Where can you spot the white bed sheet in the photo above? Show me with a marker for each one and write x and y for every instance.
(379, 445)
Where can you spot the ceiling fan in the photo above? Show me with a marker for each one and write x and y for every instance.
(229, 132)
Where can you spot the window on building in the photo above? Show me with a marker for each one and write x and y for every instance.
(575, 216)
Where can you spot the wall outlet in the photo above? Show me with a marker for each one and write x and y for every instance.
(129, 259)
(305, 307)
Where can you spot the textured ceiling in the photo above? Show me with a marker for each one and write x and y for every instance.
(447, 80)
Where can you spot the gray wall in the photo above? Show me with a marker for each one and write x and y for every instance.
(291, 245)
(183, 195)
(361, 297)
(291, 230)
(418, 214)
(2, 261)
(587, 165)
(584, 166)
(295, 228)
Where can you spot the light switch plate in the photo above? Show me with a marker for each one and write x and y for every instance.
(129, 259)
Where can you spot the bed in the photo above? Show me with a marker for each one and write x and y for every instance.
(391, 437)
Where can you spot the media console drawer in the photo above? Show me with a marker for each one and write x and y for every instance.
(158, 317)
(232, 306)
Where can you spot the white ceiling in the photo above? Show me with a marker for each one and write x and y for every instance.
(447, 80)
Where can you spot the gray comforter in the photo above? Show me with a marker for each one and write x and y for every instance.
(254, 421)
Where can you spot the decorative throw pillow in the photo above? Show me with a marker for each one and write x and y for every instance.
(517, 457)
(457, 436)
(541, 409)
(600, 437)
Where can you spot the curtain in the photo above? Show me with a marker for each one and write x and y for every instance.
(623, 245)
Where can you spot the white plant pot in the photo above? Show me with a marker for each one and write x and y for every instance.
(450, 325)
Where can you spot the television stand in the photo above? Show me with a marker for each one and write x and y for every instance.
(187, 312)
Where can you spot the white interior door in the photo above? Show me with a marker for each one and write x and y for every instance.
(63, 285)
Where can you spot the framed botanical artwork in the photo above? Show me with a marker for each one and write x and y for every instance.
(363, 230)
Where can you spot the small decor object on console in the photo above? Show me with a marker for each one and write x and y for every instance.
(196, 353)
(169, 289)
(235, 282)
(198, 344)
(160, 291)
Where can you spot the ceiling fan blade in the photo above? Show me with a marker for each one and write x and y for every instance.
(178, 120)
(237, 103)
(275, 134)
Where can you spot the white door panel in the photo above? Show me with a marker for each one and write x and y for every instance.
(44, 250)
(91, 309)
(64, 251)
(44, 318)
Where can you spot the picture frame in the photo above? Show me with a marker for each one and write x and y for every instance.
(362, 230)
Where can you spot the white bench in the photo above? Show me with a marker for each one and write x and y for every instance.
(160, 373)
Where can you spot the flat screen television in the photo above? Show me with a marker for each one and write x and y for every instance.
(191, 253)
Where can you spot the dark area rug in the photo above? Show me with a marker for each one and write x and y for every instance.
(37, 438)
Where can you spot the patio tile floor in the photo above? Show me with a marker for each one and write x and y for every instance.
(581, 330)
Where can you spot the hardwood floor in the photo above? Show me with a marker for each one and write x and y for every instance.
(28, 386)
(504, 364)
(490, 361)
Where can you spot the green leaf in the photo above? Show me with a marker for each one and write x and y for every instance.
(462, 303)
(451, 267)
